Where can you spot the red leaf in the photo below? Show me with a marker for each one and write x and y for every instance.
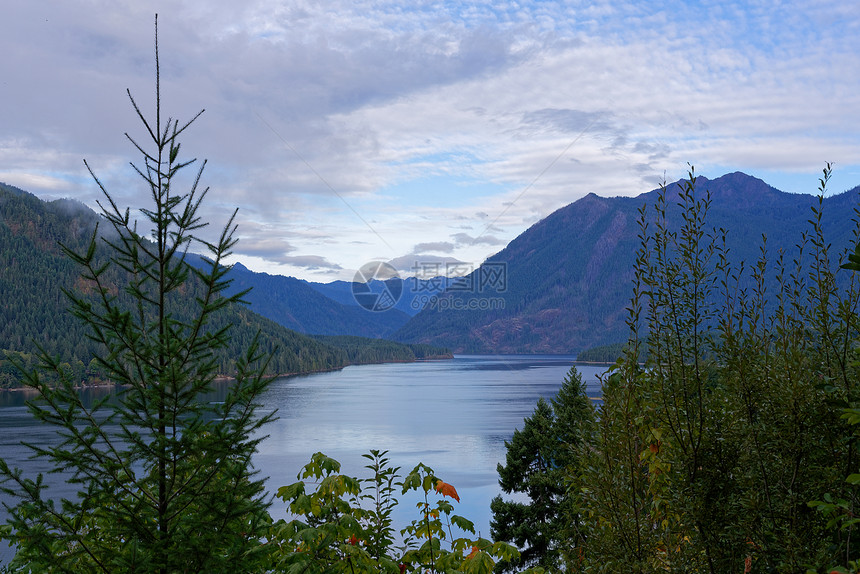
(446, 489)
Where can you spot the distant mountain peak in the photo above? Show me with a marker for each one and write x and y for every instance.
(738, 179)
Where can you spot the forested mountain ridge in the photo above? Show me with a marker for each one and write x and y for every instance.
(328, 308)
(297, 305)
(33, 272)
(569, 276)
(567, 285)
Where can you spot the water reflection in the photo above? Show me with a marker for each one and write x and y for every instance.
(452, 415)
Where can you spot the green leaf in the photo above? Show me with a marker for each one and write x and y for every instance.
(292, 491)
(479, 563)
(463, 523)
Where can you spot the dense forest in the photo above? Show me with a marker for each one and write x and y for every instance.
(360, 350)
(602, 353)
(33, 308)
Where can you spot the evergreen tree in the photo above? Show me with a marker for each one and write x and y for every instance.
(165, 481)
(541, 463)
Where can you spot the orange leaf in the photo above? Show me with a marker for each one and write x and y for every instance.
(446, 489)
(472, 553)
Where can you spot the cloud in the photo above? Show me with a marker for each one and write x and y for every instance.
(570, 121)
(268, 243)
(269, 247)
(310, 262)
(308, 104)
(466, 239)
(438, 246)
(33, 181)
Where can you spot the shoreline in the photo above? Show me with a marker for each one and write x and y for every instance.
(106, 384)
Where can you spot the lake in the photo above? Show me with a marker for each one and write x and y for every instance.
(452, 415)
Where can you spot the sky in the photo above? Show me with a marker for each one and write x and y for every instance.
(425, 132)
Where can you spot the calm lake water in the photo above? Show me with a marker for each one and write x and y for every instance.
(452, 415)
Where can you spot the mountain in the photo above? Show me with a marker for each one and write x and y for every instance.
(33, 272)
(413, 291)
(297, 305)
(330, 308)
(568, 278)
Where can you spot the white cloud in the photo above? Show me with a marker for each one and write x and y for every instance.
(316, 111)
(434, 246)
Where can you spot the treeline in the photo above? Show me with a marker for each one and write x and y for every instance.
(601, 354)
(33, 307)
(609, 353)
(360, 350)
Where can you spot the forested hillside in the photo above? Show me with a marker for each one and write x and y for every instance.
(569, 276)
(360, 350)
(296, 305)
(329, 308)
(33, 273)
